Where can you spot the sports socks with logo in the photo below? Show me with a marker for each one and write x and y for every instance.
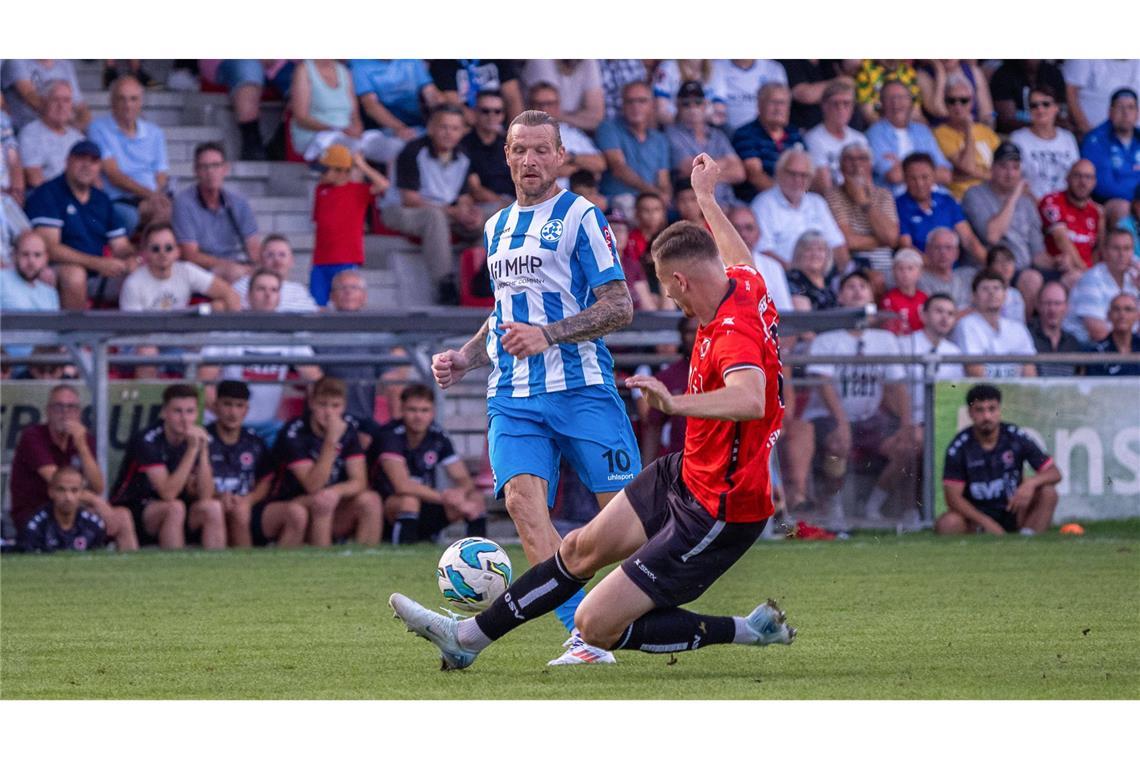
(673, 629)
(538, 591)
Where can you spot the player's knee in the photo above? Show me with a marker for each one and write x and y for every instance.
(369, 504)
(950, 524)
(208, 511)
(594, 629)
(173, 511)
(577, 555)
(296, 516)
(239, 519)
(322, 504)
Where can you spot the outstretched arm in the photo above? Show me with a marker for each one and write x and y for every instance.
(612, 311)
(732, 249)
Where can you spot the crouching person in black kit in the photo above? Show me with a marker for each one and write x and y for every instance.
(982, 477)
(62, 524)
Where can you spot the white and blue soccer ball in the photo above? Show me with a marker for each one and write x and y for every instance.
(472, 573)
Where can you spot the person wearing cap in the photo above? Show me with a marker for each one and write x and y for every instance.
(691, 135)
(1114, 149)
(135, 169)
(339, 205)
(865, 212)
(76, 220)
(44, 143)
(825, 140)
(761, 142)
(1002, 212)
(239, 460)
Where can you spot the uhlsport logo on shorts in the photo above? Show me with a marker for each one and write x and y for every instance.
(551, 232)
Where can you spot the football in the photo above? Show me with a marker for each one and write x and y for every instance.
(472, 573)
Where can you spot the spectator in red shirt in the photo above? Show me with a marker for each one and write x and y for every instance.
(63, 441)
(339, 206)
(905, 299)
(1073, 223)
(650, 218)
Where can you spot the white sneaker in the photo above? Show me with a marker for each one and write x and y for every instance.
(579, 652)
(436, 628)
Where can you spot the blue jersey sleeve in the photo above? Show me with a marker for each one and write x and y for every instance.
(595, 250)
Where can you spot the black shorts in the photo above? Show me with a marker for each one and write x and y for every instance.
(146, 538)
(688, 549)
(432, 522)
(1006, 519)
(256, 531)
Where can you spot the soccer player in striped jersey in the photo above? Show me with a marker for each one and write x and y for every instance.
(690, 515)
(558, 288)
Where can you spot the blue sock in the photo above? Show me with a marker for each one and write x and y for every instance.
(566, 610)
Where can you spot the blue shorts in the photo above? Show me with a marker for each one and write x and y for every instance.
(589, 426)
(321, 277)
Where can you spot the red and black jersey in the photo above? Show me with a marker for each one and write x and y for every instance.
(148, 449)
(725, 464)
(237, 467)
(298, 443)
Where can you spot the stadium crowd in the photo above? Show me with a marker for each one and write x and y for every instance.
(991, 207)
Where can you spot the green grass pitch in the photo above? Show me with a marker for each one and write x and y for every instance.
(880, 617)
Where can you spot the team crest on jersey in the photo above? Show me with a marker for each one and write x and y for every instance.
(246, 459)
(705, 344)
(610, 240)
(430, 458)
(1007, 458)
(551, 232)
(80, 543)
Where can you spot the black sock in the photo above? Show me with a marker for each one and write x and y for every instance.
(406, 530)
(538, 591)
(250, 132)
(477, 527)
(673, 629)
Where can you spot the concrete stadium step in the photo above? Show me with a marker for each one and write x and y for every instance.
(163, 117)
(180, 141)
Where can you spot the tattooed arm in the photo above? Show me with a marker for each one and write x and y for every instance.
(449, 367)
(612, 311)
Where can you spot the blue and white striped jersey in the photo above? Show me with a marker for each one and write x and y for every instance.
(544, 262)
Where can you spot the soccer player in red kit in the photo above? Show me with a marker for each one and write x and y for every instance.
(689, 516)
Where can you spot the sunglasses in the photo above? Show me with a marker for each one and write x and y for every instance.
(1035, 104)
(490, 111)
(168, 248)
(957, 101)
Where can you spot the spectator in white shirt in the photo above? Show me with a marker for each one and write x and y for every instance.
(786, 211)
(986, 331)
(774, 276)
(1089, 301)
(938, 316)
(826, 140)
(45, 142)
(277, 256)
